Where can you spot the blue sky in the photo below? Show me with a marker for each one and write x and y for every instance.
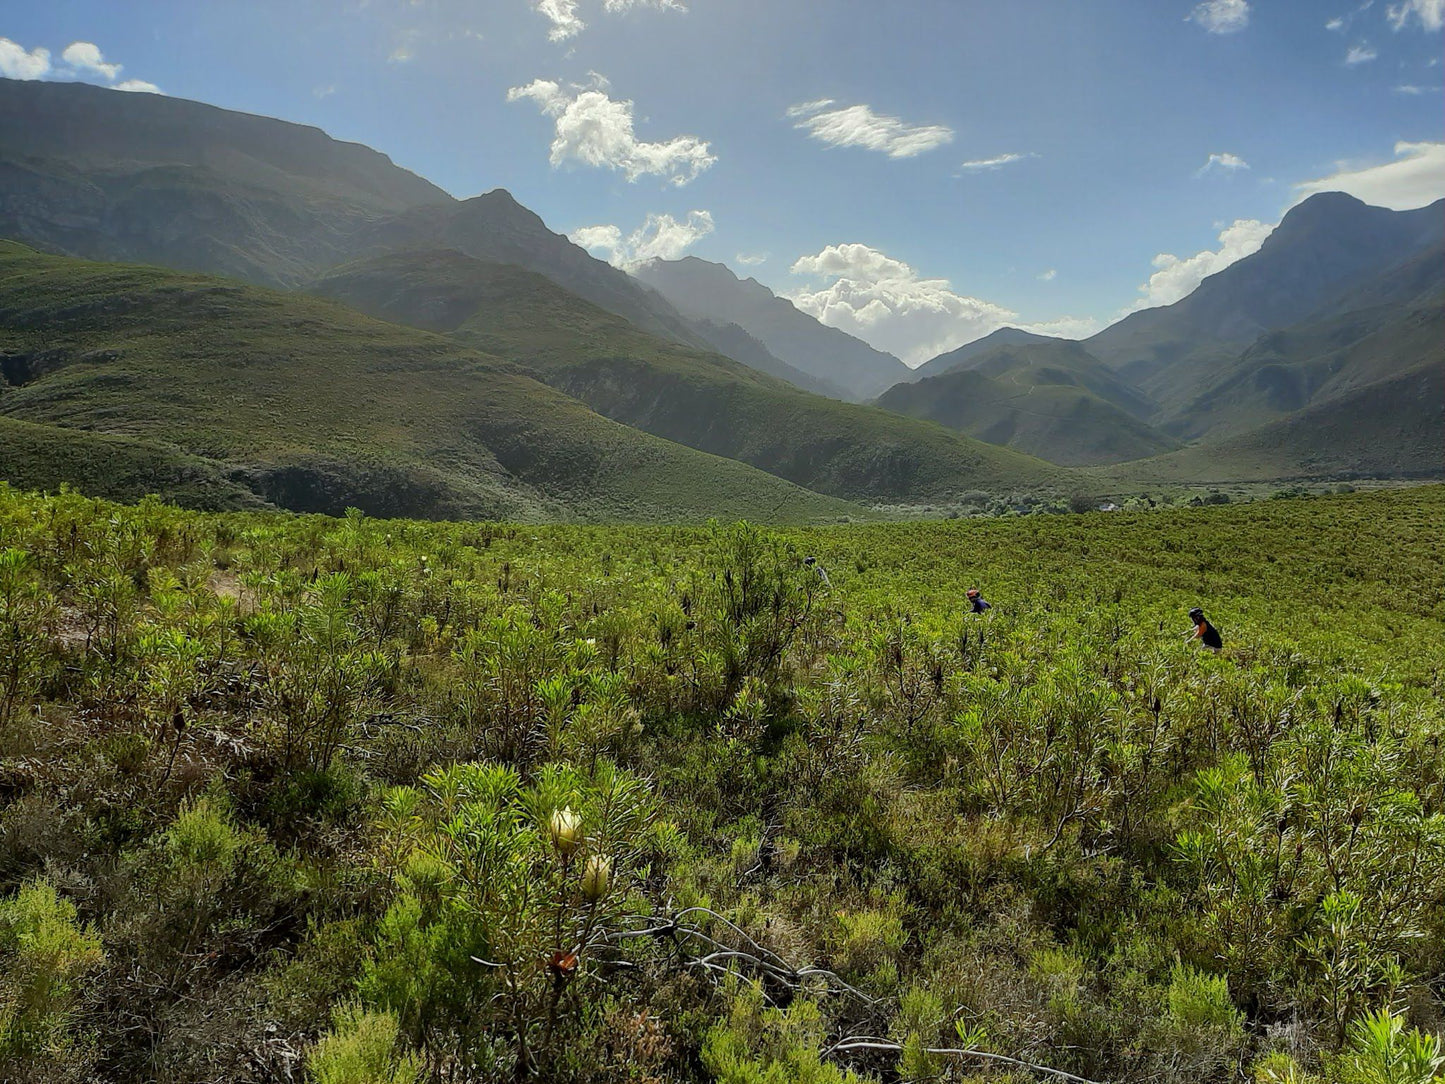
(917, 172)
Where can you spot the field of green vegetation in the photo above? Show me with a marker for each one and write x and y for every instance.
(357, 801)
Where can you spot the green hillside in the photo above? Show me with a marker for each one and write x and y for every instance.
(255, 395)
(1393, 327)
(692, 397)
(1048, 399)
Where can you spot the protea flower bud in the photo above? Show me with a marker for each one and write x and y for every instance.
(596, 877)
(565, 828)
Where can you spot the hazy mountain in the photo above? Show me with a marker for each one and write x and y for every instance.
(1048, 398)
(1329, 244)
(91, 172)
(231, 395)
(693, 397)
(957, 359)
(732, 341)
(709, 291)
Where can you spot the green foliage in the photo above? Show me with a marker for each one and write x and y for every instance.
(45, 956)
(759, 1045)
(635, 805)
(1383, 1051)
(361, 1048)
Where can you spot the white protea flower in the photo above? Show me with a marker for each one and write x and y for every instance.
(596, 878)
(565, 829)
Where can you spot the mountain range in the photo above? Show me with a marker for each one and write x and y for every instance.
(458, 358)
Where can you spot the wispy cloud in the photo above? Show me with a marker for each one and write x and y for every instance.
(562, 14)
(980, 165)
(751, 259)
(1429, 13)
(1228, 163)
(1049, 275)
(1416, 90)
(595, 130)
(1221, 16)
(860, 126)
(660, 237)
(1360, 54)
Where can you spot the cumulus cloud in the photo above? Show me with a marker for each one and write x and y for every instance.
(660, 237)
(1175, 278)
(1429, 13)
(1229, 163)
(562, 14)
(1221, 16)
(978, 165)
(16, 63)
(595, 130)
(80, 60)
(1415, 178)
(859, 126)
(86, 56)
(886, 303)
(1359, 54)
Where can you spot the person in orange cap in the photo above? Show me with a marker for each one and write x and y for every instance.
(976, 602)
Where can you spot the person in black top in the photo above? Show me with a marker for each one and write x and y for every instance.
(1203, 631)
(976, 603)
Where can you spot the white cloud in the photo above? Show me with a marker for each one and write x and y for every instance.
(1335, 24)
(86, 56)
(562, 14)
(1414, 179)
(1360, 54)
(593, 129)
(886, 303)
(1176, 278)
(1221, 16)
(859, 126)
(1065, 327)
(16, 63)
(1416, 90)
(1049, 275)
(660, 237)
(751, 259)
(978, 165)
(1430, 13)
(139, 86)
(1230, 163)
(614, 6)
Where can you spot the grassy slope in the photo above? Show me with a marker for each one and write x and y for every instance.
(1394, 328)
(1047, 399)
(1388, 429)
(315, 407)
(692, 397)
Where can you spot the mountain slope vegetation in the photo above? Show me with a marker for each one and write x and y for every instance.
(1325, 247)
(91, 172)
(690, 396)
(311, 406)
